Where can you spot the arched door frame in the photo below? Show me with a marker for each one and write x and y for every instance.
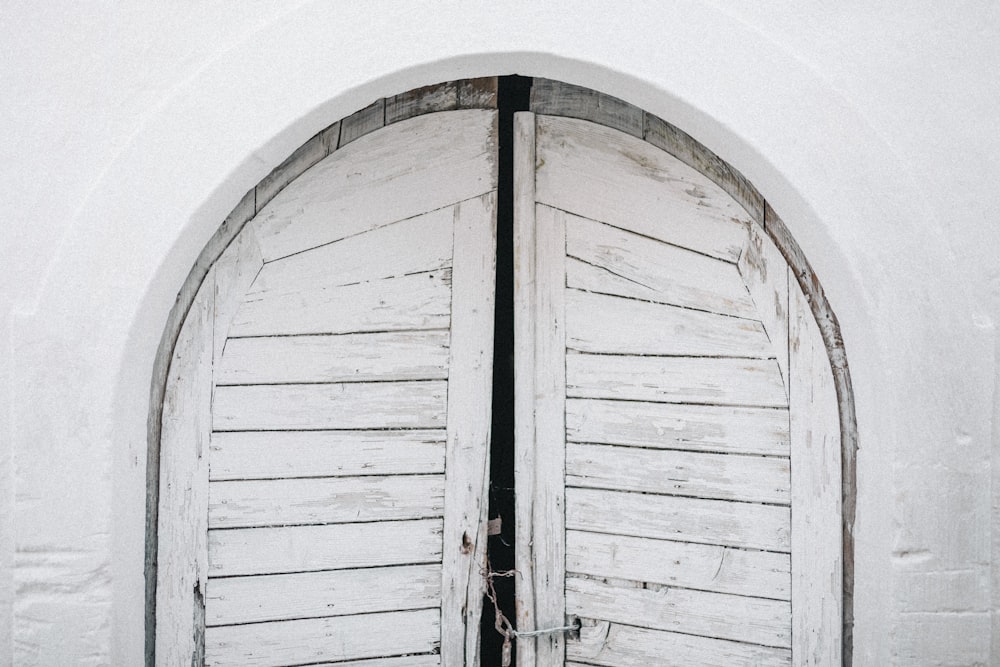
(481, 93)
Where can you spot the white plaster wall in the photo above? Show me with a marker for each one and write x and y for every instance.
(131, 130)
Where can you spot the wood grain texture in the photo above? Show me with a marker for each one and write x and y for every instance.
(350, 405)
(411, 660)
(275, 597)
(602, 174)
(699, 566)
(291, 502)
(764, 271)
(362, 122)
(383, 177)
(614, 645)
(427, 99)
(709, 428)
(277, 454)
(723, 476)
(717, 615)
(556, 98)
(616, 261)
(312, 151)
(745, 525)
(627, 326)
(246, 551)
(314, 640)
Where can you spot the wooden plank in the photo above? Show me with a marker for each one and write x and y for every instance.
(709, 380)
(312, 151)
(416, 165)
(274, 454)
(763, 479)
(291, 502)
(617, 645)
(278, 597)
(745, 525)
(627, 326)
(469, 394)
(316, 639)
(417, 301)
(362, 122)
(349, 405)
(411, 660)
(428, 99)
(478, 93)
(391, 355)
(616, 261)
(700, 566)
(817, 559)
(763, 269)
(716, 615)
(564, 99)
(245, 551)
(602, 174)
(705, 428)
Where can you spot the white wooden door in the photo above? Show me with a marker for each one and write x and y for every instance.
(325, 425)
(678, 466)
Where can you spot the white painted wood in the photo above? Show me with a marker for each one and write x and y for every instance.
(602, 174)
(385, 176)
(627, 326)
(346, 405)
(412, 660)
(417, 301)
(392, 355)
(291, 502)
(718, 615)
(705, 428)
(313, 640)
(469, 395)
(817, 567)
(616, 645)
(274, 597)
(700, 566)
(764, 479)
(274, 454)
(764, 270)
(245, 551)
(745, 525)
(645, 268)
(710, 380)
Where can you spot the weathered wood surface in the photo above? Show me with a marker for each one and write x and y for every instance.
(708, 380)
(602, 174)
(614, 645)
(386, 176)
(390, 355)
(291, 502)
(469, 396)
(564, 99)
(348, 405)
(700, 566)
(411, 660)
(816, 486)
(764, 271)
(275, 597)
(362, 122)
(427, 99)
(274, 454)
(745, 525)
(718, 615)
(762, 479)
(706, 428)
(245, 551)
(305, 156)
(616, 261)
(313, 640)
(627, 326)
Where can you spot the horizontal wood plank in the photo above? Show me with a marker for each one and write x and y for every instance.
(325, 406)
(765, 273)
(613, 645)
(618, 325)
(616, 261)
(736, 430)
(279, 597)
(718, 615)
(278, 454)
(245, 551)
(700, 566)
(316, 639)
(710, 380)
(291, 502)
(745, 525)
(704, 475)
(412, 660)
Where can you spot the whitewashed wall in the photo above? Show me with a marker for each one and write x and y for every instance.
(130, 130)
